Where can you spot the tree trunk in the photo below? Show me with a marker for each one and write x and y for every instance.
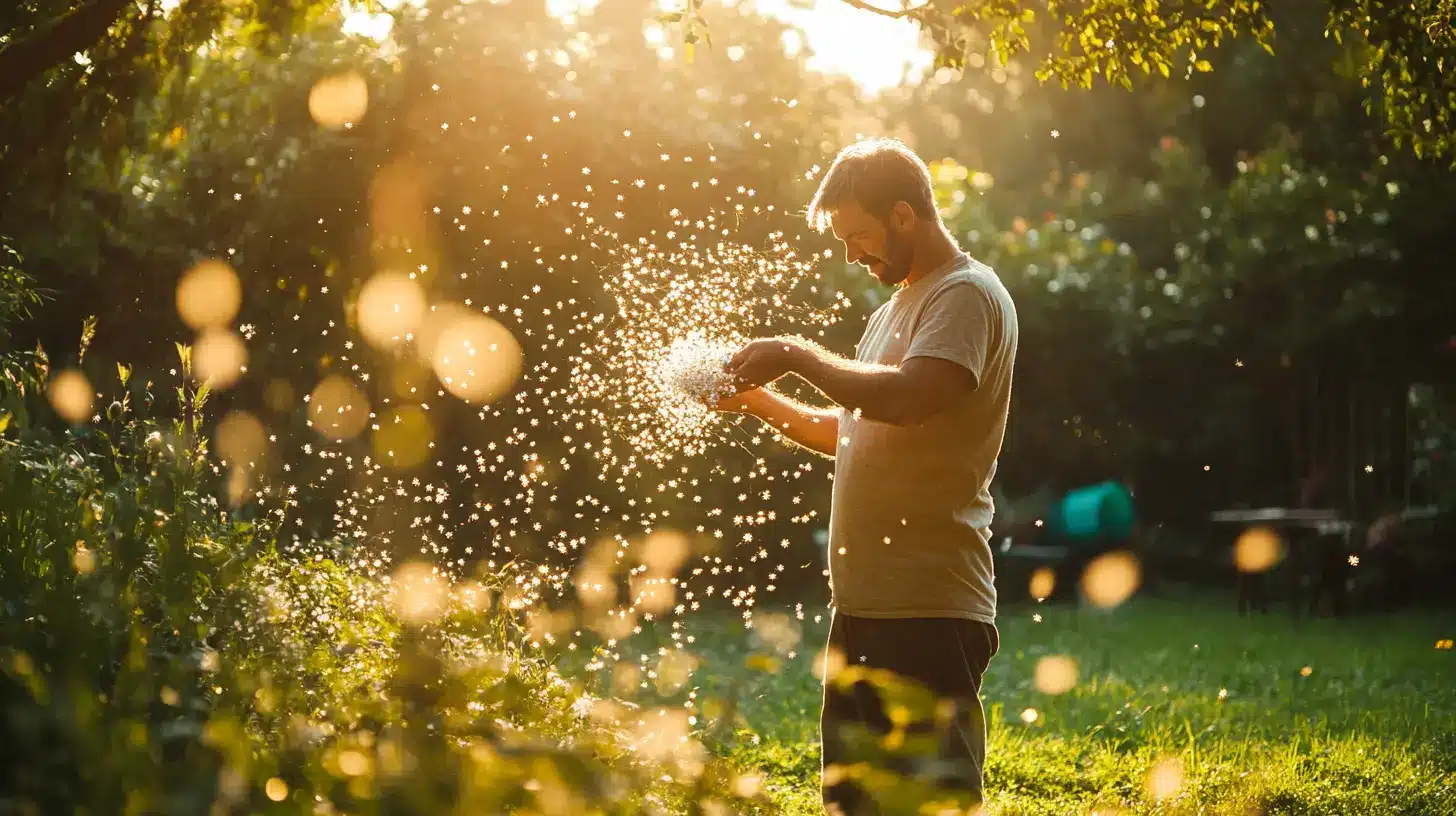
(23, 61)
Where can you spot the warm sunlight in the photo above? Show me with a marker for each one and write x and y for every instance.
(460, 406)
(875, 52)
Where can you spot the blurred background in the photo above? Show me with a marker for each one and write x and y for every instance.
(1228, 284)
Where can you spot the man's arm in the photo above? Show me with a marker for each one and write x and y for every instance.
(942, 365)
(816, 429)
(909, 394)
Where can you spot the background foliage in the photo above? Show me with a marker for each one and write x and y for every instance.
(1196, 256)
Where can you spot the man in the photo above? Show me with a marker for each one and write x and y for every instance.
(919, 425)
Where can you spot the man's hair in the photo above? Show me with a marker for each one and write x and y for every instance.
(875, 174)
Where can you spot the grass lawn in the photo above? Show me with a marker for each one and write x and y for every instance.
(1319, 717)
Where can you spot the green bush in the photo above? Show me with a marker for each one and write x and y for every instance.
(160, 652)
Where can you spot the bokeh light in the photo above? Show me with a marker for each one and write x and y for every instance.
(664, 552)
(209, 295)
(473, 595)
(353, 763)
(1111, 578)
(337, 409)
(1055, 674)
(1043, 582)
(747, 784)
(276, 789)
(1165, 778)
(219, 357)
(476, 358)
(652, 594)
(829, 662)
(71, 396)
(390, 306)
(83, 559)
(418, 593)
(660, 733)
(339, 99)
(241, 438)
(1257, 549)
(776, 632)
(674, 670)
(596, 586)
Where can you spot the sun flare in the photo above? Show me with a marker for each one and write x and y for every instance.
(875, 52)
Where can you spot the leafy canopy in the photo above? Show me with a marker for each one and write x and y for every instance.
(1400, 50)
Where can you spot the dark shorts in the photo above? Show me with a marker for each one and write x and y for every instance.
(888, 749)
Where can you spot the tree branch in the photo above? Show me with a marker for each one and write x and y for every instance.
(48, 46)
(894, 15)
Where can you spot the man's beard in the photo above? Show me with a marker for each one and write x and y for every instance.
(894, 268)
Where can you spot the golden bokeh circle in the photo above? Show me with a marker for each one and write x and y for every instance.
(1111, 578)
(339, 99)
(1043, 582)
(475, 358)
(1257, 549)
(390, 306)
(1055, 674)
(241, 438)
(209, 295)
(70, 394)
(219, 357)
(337, 409)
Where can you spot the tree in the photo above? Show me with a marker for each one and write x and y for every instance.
(1399, 50)
(223, 159)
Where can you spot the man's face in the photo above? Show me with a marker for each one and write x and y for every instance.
(874, 242)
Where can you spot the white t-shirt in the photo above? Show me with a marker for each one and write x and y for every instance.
(909, 525)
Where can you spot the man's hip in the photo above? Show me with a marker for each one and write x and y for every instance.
(902, 718)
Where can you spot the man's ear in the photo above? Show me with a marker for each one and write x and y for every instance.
(902, 217)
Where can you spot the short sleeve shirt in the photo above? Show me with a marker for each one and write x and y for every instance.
(909, 527)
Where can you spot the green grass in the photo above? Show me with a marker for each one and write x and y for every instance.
(1370, 729)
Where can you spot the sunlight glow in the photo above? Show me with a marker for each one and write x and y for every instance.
(376, 23)
(876, 53)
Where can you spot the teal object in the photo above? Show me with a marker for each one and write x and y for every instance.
(1102, 511)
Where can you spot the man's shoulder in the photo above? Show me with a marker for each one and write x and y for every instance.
(974, 273)
(972, 276)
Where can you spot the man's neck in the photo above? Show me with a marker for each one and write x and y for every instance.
(937, 250)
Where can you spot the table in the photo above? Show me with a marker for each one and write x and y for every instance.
(1326, 522)
(1322, 521)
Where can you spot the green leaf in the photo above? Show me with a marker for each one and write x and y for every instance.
(670, 17)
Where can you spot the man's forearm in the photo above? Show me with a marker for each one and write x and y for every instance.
(876, 392)
(816, 429)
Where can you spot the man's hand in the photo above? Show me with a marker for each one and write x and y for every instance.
(816, 429)
(763, 361)
(744, 402)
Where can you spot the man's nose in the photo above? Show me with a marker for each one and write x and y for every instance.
(852, 255)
